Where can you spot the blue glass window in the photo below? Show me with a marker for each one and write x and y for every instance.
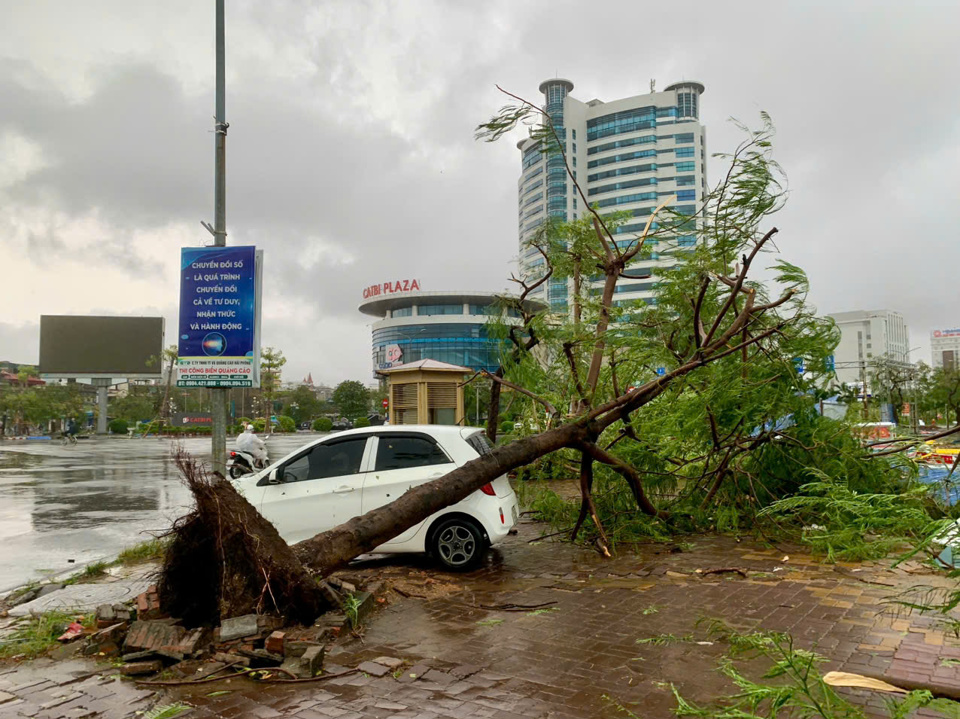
(621, 143)
(685, 137)
(686, 180)
(666, 112)
(687, 104)
(534, 186)
(429, 310)
(685, 152)
(687, 241)
(622, 185)
(686, 166)
(686, 195)
(619, 123)
(636, 287)
(402, 312)
(531, 156)
(626, 199)
(622, 158)
(632, 170)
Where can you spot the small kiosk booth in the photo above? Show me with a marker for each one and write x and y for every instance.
(426, 392)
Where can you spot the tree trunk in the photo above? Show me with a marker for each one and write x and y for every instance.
(493, 412)
(332, 549)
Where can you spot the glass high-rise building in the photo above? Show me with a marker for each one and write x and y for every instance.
(627, 154)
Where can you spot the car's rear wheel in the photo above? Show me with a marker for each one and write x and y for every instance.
(458, 544)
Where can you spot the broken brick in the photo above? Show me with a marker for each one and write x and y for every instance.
(312, 661)
(275, 642)
(239, 627)
(191, 642)
(297, 648)
(227, 658)
(139, 668)
(153, 635)
(373, 669)
(148, 604)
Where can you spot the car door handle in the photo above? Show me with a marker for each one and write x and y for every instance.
(343, 490)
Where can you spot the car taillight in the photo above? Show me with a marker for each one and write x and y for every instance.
(502, 520)
(488, 489)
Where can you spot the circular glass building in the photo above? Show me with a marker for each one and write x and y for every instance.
(444, 326)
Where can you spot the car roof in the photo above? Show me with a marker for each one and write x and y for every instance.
(437, 430)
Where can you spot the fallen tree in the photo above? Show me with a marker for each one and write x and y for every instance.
(720, 316)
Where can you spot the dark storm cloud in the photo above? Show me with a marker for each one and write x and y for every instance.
(351, 158)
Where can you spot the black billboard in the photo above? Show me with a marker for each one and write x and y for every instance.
(82, 346)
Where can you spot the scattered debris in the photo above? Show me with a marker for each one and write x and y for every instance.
(846, 679)
(239, 627)
(74, 631)
(724, 570)
(136, 669)
(275, 642)
(514, 607)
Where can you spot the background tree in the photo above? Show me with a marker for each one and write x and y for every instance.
(138, 404)
(376, 397)
(169, 359)
(352, 399)
(302, 404)
(271, 363)
(943, 393)
(890, 381)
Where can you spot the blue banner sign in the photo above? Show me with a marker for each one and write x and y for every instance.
(218, 317)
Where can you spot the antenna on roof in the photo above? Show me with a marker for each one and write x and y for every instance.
(653, 85)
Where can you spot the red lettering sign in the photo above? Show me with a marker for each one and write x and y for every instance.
(390, 288)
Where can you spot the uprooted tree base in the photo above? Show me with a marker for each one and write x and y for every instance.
(226, 560)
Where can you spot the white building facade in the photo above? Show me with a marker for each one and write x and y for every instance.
(629, 155)
(868, 335)
(945, 349)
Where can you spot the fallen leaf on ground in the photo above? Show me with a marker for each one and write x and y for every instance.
(845, 679)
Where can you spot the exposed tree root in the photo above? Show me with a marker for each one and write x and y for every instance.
(226, 560)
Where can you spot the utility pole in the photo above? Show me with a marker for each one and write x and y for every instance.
(219, 395)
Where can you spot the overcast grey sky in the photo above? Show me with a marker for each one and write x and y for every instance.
(351, 157)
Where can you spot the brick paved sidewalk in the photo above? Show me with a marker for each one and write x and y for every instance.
(465, 661)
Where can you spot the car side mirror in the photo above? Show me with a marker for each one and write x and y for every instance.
(276, 476)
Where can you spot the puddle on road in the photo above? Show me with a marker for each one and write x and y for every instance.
(10, 461)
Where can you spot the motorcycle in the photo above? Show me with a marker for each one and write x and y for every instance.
(240, 463)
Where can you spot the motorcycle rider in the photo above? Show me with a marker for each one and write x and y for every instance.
(249, 442)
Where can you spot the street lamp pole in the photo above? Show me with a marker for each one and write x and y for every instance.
(218, 407)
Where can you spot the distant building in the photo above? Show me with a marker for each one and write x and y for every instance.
(865, 336)
(448, 327)
(945, 349)
(628, 155)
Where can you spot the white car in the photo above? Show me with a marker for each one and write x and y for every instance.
(343, 475)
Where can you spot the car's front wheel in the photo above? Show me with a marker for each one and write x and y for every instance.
(458, 544)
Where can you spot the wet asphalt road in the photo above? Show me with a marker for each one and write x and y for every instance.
(88, 501)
